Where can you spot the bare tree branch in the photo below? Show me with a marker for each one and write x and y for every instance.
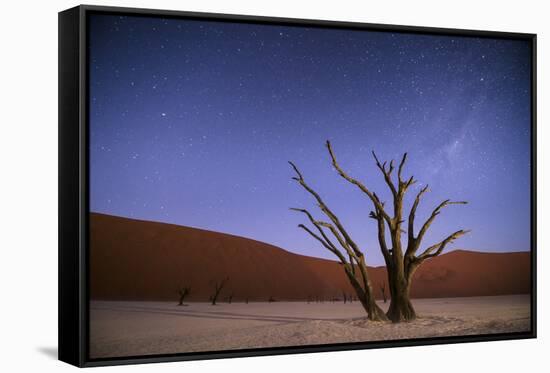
(410, 182)
(324, 243)
(300, 177)
(325, 208)
(401, 164)
(437, 249)
(432, 217)
(381, 227)
(354, 254)
(386, 173)
(357, 183)
(314, 222)
(412, 215)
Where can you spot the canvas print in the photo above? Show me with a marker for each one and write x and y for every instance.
(260, 185)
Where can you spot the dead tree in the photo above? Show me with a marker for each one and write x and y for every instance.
(183, 292)
(218, 286)
(383, 290)
(355, 260)
(401, 261)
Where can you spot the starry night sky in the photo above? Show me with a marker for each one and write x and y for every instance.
(193, 122)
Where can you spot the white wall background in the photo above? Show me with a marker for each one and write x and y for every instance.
(28, 184)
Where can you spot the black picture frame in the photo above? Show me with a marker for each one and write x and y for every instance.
(74, 186)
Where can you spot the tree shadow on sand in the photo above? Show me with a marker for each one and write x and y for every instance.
(207, 314)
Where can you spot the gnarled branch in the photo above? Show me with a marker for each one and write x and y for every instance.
(400, 169)
(357, 183)
(329, 243)
(412, 215)
(437, 249)
(430, 220)
(381, 227)
(328, 212)
(324, 243)
(386, 173)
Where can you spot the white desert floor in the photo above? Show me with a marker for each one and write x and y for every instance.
(142, 328)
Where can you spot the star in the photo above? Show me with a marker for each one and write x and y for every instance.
(226, 104)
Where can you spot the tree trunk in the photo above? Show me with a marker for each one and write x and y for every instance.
(401, 308)
(374, 313)
(183, 292)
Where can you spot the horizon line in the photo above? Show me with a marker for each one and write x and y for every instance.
(90, 212)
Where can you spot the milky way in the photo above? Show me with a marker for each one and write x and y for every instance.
(193, 122)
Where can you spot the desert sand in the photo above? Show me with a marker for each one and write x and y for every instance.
(137, 267)
(147, 261)
(126, 328)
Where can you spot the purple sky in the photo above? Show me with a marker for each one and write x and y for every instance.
(193, 122)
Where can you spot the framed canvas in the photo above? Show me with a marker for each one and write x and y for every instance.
(239, 186)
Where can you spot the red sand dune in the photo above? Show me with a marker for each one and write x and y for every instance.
(142, 260)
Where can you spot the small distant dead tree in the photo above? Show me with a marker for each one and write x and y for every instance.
(383, 290)
(183, 292)
(218, 286)
(401, 261)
